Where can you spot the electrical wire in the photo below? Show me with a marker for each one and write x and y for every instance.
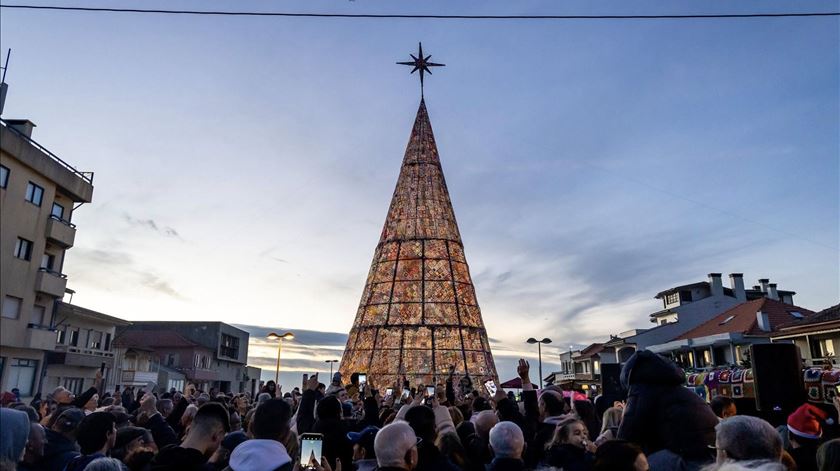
(422, 16)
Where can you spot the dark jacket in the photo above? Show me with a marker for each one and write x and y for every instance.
(661, 413)
(336, 445)
(429, 458)
(506, 464)
(80, 462)
(569, 457)
(306, 412)
(175, 458)
(58, 451)
(80, 401)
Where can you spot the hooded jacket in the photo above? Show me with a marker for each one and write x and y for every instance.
(260, 455)
(15, 432)
(663, 414)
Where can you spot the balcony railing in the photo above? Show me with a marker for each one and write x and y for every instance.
(86, 176)
(50, 282)
(60, 231)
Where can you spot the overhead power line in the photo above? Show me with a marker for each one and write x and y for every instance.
(421, 16)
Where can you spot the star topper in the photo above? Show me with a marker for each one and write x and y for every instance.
(422, 64)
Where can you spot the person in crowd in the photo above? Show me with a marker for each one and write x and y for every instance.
(221, 457)
(828, 455)
(422, 420)
(96, 436)
(34, 446)
(270, 388)
(353, 388)
(14, 433)
(329, 423)
(672, 425)
(364, 453)
(746, 438)
(206, 432)
(265, 452)
(477, 445)
(105, 464)
(570, 448)
(396, 448)
(61, 445)
(165, 407)
(584, 410)
(619, 455)
(130, 439)
(804, 432)
(610, 424)
(724, 407)
(507, 443)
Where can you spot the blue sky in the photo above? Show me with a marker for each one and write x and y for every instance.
(244, 166)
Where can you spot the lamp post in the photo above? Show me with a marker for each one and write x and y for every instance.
(331, 366)
(279, 338)
(539, 343)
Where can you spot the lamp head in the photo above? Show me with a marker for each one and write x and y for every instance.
(546, 340)
(531, 340)
(286, 336)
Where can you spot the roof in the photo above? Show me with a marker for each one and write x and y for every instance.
(591, 351)
(67, 309)
(829, 315)
(153, 338)
(699, 284)
(742, 319)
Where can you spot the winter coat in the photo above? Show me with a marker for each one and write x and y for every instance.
(15, 434)
(506, 464)
(175, 458)
(569, 458)
(663, 414)
(336, 445)
(429, 458)
(260, 455)
(58, 451)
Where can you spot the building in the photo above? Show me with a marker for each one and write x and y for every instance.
(724, 339)
(165, 358)
(211, 354)
(38, 194)
(818, 336)
(418, 315)
(687, 306)
(580, 369)
(83, 344)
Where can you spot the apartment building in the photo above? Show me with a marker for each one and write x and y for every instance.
(817, 336)
(38, 194)
(83, 344)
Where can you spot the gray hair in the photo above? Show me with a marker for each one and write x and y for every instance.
(392, 443)
(484, 421)
(104, 464)
(263, 397)
(744, 438)
(760, 465)
(507, 440)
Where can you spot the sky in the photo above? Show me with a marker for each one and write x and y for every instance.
(244, 166)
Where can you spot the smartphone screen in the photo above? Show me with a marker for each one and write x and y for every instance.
(310, 446)
(430, 391)
(406, 393)
(837, 389)
(389, 392)
(491, 387)
(362, 378)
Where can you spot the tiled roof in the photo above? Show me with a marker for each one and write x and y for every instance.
(831, 314)
(152, 338)
(742, 319)
(591, 350)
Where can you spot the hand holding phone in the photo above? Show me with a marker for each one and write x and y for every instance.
(491, 387)
(310, 449)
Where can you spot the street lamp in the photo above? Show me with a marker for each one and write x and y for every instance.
(331, 365)
(539, 343)
(279, 338)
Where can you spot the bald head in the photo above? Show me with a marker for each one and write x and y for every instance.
(506, 440)
(484, 421)
(395, 446)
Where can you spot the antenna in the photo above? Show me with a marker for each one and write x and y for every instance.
(3, 86)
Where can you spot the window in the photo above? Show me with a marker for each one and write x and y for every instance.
(57, 211)
(796, 315)
(74, 384)
(230, 346)
(74, 338)
(178, 384)
(22, 375)
(61, 336)
(23, 249)
(11, 307)
(822, 348)
(34, 194)
(673, 298)
(38, 314)
(107, 346)
(95, 337)
(663, 322)
(4, 176)
(48, 261)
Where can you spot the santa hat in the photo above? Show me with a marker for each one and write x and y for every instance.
(805, 421)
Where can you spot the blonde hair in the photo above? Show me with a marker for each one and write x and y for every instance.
(561, 433)
(612, 418)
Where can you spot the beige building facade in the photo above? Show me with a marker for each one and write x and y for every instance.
(38, 194)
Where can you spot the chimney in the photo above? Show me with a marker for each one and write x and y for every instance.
(736, 282)
(716, 284)
(22, 126)
(771, 291)
(763, 321)
(763, 282)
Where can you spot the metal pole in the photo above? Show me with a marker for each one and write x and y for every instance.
(277, 373)
(331, 369)
(539, 355)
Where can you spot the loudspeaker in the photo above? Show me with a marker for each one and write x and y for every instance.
(777, 369)
(611, 382)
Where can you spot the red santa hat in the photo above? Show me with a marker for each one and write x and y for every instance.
(805, 421)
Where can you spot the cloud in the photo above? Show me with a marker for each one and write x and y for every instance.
(150, 224)
(106, 267)
(154, 282)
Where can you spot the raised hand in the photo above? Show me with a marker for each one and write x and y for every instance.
(523, 370)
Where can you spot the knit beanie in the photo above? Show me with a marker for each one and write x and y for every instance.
(805, 421)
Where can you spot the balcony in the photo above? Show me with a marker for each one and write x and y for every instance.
(60, 232)
(50, 282)
(137, 378)
(41, 337)
(200, 374)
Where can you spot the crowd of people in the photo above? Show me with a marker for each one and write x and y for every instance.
(451, 426)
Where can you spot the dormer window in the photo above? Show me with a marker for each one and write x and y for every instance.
(796, 315)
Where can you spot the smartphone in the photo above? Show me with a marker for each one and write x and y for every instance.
(406, 393)
(362, 378)
(102, 368)
(837, 389)
(389, 392)
(430, 391)
(151, 387)
(310, 447)
(491, 387)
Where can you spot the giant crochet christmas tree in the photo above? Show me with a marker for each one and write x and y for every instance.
(418, 314)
